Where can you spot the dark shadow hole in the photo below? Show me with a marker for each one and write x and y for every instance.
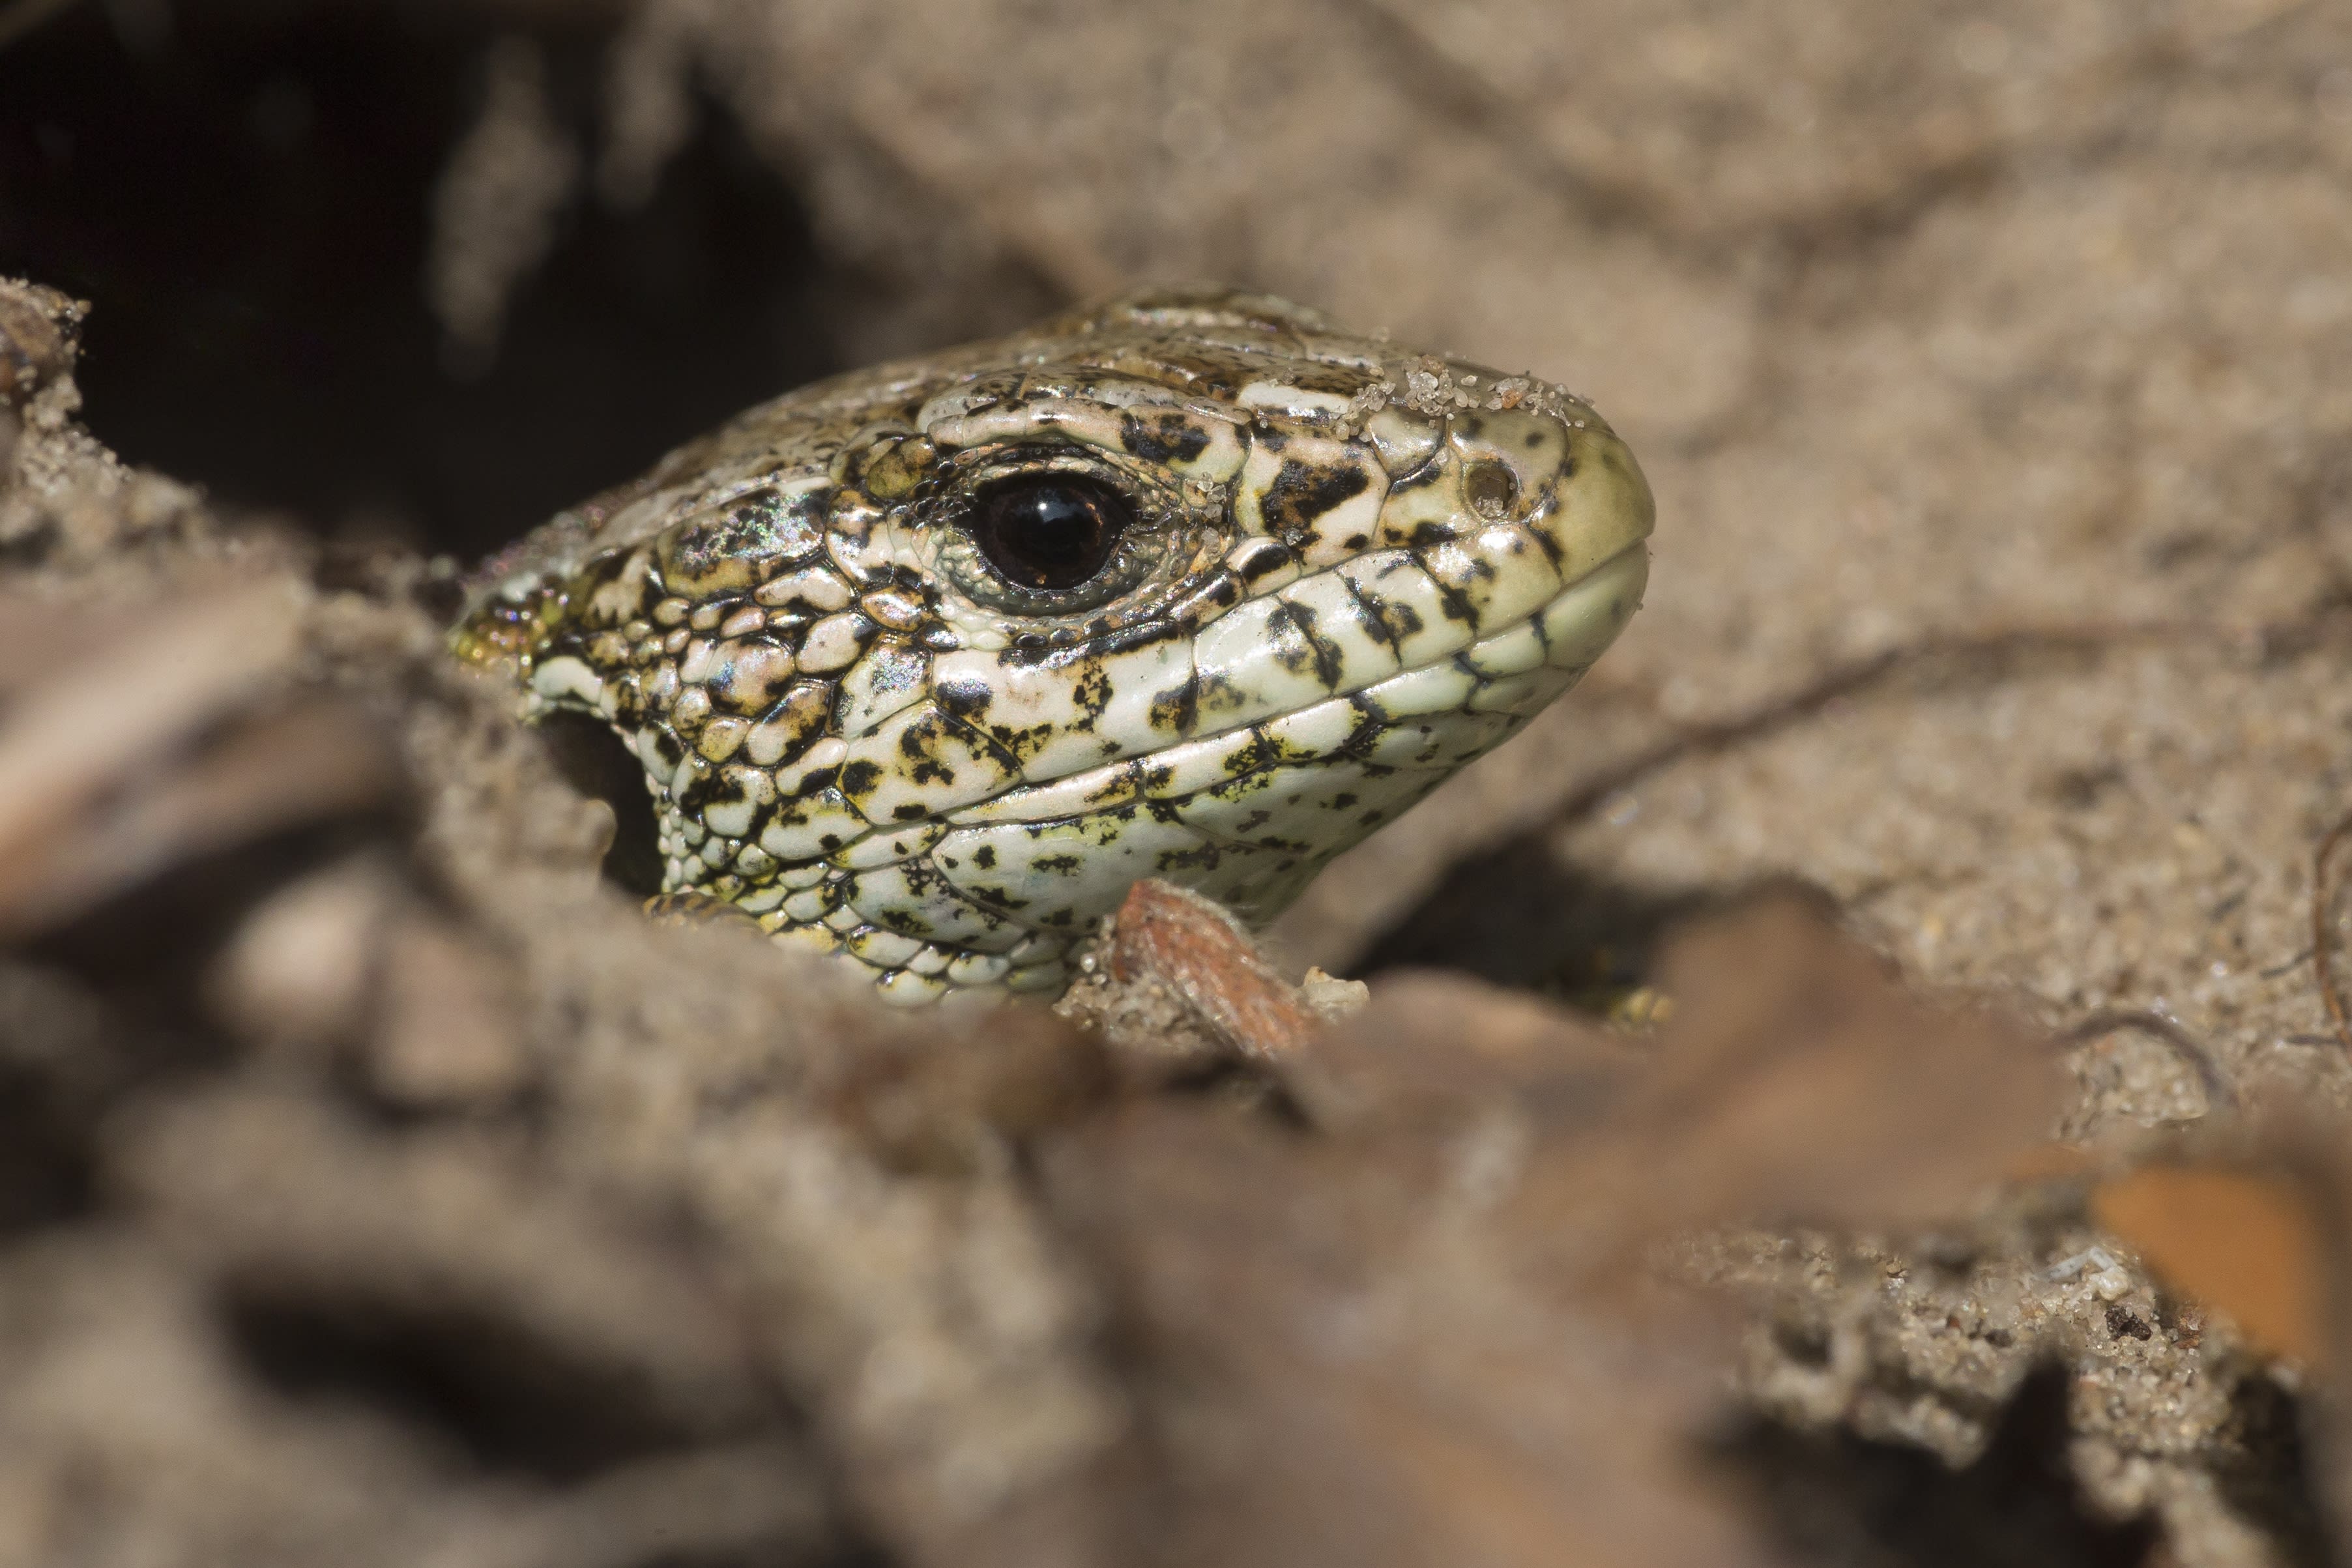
(599, 764)
(47, 1165)
(503, 1397)
(145, 952)
(2270, 1478)
(248, 204)
(1515, 916)
(1844, 1498)
(1808, 1344)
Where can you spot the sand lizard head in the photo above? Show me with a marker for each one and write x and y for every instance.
(927, 664)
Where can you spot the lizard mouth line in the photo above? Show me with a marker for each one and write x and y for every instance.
(1434, 715)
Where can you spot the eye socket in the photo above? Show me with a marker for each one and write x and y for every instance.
(1049, 531)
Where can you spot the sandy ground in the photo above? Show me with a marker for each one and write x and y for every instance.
(1987, 361)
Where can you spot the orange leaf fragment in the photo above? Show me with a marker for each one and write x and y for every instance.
(2246, 1243)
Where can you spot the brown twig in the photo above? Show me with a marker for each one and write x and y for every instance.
(2323, 949)
(2219, 1093)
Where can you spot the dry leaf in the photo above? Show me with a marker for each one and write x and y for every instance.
(1799, 1079)
(1336, 1359)
(1432, 1047)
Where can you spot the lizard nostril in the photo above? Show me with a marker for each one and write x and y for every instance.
(1492, 489)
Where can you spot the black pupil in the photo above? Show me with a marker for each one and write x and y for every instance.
(1053, 530)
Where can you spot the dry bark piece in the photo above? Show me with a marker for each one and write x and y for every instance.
(1190, 944)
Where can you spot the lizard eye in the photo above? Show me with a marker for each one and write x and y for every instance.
(1049, 531)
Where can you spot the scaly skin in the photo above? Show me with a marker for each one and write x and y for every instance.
(1353, 568)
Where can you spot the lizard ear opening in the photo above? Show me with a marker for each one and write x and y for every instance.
(594, 760)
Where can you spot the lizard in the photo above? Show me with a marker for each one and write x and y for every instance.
(927, 664)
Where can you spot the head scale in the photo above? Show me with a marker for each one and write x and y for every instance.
(928, 664)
